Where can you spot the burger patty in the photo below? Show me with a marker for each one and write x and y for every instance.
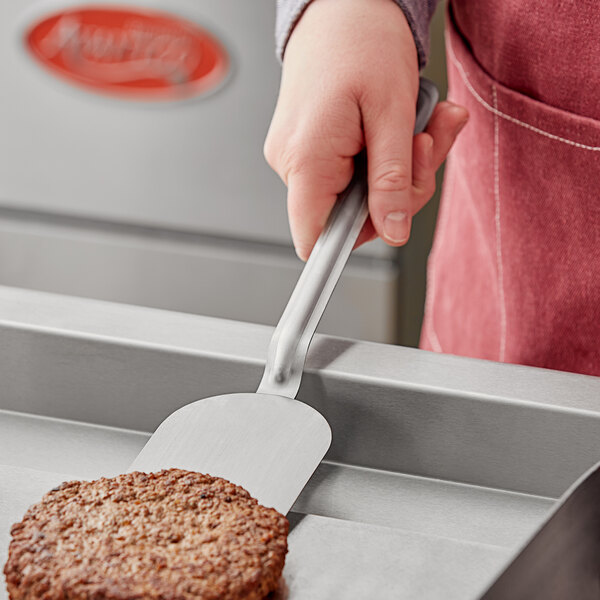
(173, 535)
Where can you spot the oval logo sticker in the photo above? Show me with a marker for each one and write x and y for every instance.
(129, 53)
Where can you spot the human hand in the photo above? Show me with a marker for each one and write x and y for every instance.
(350, 79)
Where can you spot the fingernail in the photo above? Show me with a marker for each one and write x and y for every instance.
(302, 253)
(299, 253)
(429, 151)
(396, 227)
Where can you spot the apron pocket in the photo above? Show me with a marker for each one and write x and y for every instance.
(514, 274)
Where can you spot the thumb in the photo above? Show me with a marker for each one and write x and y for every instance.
(389, 138)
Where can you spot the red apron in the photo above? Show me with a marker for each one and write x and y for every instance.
(514, 274)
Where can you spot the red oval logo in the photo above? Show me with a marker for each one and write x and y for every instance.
(129, 53)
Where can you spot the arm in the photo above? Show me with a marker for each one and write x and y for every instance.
(418, 14)
(350, 79)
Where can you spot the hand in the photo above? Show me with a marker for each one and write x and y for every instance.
(350, 79)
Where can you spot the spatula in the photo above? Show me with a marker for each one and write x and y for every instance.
(268, 442)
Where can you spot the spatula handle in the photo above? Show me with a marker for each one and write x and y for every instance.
(289, 344)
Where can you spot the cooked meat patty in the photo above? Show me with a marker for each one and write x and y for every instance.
(173, 535)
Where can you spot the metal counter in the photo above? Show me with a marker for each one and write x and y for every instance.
(440, 467)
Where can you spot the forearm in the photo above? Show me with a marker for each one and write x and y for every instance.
(418, 14)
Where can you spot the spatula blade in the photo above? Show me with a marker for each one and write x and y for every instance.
(268, 444)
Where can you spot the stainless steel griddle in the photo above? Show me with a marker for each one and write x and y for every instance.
(440, 467)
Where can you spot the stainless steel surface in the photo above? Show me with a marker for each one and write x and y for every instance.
(562, 560)
(170, 164)
(172, 202)
(188, 191)
(328, 558)
(354, 530)
(270, 445)
(421, 505)
(441, 467)
(183, 166)
(151, 267)
(489, 424)
(427, 99)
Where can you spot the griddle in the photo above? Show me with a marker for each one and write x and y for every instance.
(441, 467)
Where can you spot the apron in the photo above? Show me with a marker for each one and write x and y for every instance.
(514, 273)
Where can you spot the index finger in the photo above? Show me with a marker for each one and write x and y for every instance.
(312, 192)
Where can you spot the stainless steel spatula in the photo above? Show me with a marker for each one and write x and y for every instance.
(268, 442)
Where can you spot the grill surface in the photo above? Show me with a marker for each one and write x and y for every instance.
(441, 467)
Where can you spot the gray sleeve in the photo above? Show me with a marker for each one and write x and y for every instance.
(418, 14)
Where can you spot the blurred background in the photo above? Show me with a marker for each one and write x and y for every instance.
(131, 167)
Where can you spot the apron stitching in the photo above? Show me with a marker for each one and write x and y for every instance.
(431, 334)
(498, 227)
(431, 276)
(433, 339)
(498, 113)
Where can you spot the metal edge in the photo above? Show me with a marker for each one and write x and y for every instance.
(501, 426)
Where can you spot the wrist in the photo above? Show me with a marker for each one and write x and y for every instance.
(355, 16)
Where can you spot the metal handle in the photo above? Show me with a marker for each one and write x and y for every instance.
(294, 332)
